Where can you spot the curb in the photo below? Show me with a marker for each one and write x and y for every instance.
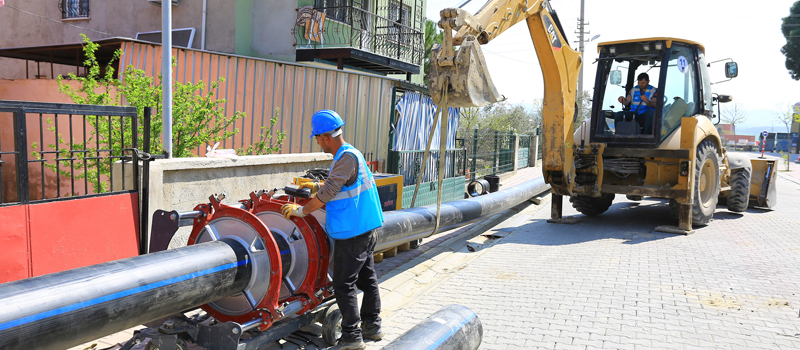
(790, 178)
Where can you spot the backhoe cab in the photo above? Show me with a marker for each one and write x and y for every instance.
(676, 69)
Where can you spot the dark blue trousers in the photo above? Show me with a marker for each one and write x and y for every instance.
(354, 268)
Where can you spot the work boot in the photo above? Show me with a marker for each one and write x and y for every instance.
(371, 331)
(343, 345)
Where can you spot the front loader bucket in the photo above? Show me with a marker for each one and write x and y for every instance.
(762, 183)
(467, 79)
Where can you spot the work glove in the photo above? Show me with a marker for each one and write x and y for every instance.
(313, 186)
(291, 209)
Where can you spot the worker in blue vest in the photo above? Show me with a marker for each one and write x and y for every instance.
(642, 100)
(353, 212)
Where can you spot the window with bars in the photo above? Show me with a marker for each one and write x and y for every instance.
(74, 9)
(400, 14)
(337, 10)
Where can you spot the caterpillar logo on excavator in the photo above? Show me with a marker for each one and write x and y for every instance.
(551, 30)
(651, 131)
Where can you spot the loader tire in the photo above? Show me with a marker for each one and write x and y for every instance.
(706, 183)
(739, 194)
(592, 206)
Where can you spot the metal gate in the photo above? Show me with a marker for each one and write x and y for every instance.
(63, 199)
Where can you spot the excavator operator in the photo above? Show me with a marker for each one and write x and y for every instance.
(642, 101)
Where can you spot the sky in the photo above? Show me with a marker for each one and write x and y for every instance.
(746, 31)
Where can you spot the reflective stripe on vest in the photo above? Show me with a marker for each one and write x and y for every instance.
(637, 102)
(356, 208)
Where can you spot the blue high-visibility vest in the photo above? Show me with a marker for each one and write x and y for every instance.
(356, 208)
(637, 105)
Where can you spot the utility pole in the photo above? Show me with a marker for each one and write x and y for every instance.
(166, 74)
(581, 31)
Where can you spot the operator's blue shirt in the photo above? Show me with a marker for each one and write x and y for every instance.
(637, 105)
(356, 208)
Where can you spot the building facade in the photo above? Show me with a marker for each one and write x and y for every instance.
(373, 36)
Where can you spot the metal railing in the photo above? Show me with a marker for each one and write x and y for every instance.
(489, 153)
(58, 155)
(350, 26)
(523, 151)
(74, 8)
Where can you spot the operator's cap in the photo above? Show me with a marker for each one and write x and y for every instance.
(324, 121)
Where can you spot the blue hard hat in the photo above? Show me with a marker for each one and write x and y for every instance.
(324, 121)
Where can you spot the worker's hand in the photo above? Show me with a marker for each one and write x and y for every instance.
(291, 209)
(621, 99)
(311, 185)
(644, 99)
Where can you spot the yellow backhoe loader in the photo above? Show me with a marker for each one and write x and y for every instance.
(674, 152)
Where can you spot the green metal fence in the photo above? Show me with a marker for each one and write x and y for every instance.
(523, 151)
(409, 164)
(489, 153)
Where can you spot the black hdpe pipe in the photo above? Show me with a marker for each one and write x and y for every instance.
(454, 327)
(411, 224)
(64, 309)
(67, 308)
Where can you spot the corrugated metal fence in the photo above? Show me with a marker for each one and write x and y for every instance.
(258, 86)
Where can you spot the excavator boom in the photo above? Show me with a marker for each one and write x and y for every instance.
(462, 76)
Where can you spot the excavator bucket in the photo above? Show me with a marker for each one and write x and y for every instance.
(763, 193)
(467, 80)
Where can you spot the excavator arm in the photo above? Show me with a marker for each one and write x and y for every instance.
(461, 73)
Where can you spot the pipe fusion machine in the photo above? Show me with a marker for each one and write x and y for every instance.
(257, 275)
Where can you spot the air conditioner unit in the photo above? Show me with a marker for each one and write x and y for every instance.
(158, 2)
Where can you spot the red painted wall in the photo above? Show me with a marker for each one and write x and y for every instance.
(42, 238)
(14, 247)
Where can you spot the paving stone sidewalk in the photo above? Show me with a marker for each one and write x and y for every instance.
(611, 282)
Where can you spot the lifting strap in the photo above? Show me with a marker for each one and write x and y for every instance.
(441, 110)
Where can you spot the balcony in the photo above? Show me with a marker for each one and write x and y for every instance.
(389, 40)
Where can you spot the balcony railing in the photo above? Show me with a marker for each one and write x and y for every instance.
(74, 8)
(349, 26)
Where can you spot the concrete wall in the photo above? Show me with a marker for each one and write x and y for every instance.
(182, 183)
(273, 38)
(38, 22)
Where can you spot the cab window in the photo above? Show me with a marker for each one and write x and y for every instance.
(680, 92)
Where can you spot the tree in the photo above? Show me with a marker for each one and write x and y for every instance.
(433, 35)
(735, 114)
(501, 116)
(584, 103)
(784, 113)
(791, 30)
(197, 118)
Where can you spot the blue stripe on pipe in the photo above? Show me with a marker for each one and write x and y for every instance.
(118, 295)
(452, 331)
(283, 252)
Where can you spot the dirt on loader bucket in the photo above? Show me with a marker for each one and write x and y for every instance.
(467, 79)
